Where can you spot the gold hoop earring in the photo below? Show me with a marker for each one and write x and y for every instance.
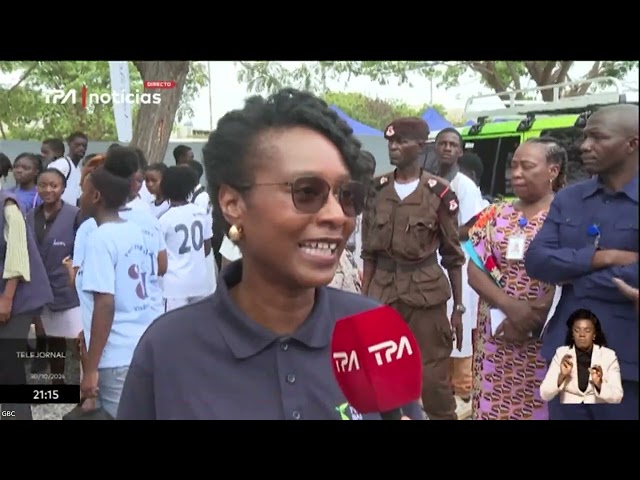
(235, 233)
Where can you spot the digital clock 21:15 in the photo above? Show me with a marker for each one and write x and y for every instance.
(39, 394)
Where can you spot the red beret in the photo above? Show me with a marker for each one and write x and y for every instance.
(411, 128)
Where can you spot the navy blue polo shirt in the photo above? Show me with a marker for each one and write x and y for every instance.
(209, 361)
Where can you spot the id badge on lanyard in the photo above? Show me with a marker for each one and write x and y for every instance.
(517, 243)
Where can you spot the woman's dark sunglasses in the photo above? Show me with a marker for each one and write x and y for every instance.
(310, 194)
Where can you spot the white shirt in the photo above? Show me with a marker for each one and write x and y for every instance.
(185, 229)
(470, 203)
(405, 189)
(139, 204)
(201, 198)
(485, 202)
(469, 198)
(117, 264)
(230, 250)
(72, 174)
(144, 193)
(158, 210)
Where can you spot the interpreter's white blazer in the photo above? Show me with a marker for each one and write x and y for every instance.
(610, 391)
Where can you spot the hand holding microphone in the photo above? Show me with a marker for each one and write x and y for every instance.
(377, 362)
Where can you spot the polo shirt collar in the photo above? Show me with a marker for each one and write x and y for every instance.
(247, 338)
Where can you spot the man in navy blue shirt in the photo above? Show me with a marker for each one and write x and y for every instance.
(589, 238)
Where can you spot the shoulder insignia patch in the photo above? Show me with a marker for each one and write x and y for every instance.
(444, 193)
(380, 182)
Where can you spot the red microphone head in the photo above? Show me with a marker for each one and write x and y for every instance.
(376, 361)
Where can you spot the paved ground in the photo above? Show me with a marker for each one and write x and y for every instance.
(54, 412)
(463, 409)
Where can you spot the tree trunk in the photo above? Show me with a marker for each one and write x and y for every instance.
(152, 128)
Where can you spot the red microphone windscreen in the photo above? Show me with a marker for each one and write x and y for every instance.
(376, 360)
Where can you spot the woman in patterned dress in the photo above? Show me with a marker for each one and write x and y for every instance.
(507, 365)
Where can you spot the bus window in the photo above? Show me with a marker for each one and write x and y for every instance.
(430, 163)
(571, 139)
(496, 154)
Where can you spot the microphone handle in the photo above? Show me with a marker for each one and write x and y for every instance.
(395, 414)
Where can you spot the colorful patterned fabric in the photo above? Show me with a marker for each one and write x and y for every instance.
(507, 376)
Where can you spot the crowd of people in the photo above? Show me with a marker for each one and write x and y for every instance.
(195, 303)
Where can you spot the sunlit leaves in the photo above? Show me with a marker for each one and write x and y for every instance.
(268, 76)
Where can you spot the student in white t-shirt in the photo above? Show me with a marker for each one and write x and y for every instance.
(112, 287)
(471, 165)
(52, 149)
(187, 230)
(135, 199)
(200, 197)
(153, 237)
(152, 178)
(448, 149)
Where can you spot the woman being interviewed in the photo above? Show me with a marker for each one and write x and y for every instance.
(280, 171)
(507, 365)
(584, 370)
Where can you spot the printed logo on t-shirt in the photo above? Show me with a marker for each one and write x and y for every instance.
(347, 412)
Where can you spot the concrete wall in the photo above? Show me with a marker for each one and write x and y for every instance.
(13, 148)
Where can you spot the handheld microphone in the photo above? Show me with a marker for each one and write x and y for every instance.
(377, 362)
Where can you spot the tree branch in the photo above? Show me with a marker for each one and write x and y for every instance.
(534, 70)
(514, 75)
(547, 73)
(562, 73)
(23, 77)
(582, 89)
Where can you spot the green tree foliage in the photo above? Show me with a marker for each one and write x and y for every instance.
(267, 76)
(375, 112)
(26, 116)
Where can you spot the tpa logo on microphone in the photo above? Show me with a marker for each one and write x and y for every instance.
(346, 361)
(390, 348)
(87, 98)
(384, 353)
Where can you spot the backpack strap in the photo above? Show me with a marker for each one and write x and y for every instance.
(66, 178)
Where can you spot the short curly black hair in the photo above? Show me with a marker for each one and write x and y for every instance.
(227, 153)
(178, 183)
(196, 166)
(113, 178)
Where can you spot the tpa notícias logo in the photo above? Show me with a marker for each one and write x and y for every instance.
(86, 98)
